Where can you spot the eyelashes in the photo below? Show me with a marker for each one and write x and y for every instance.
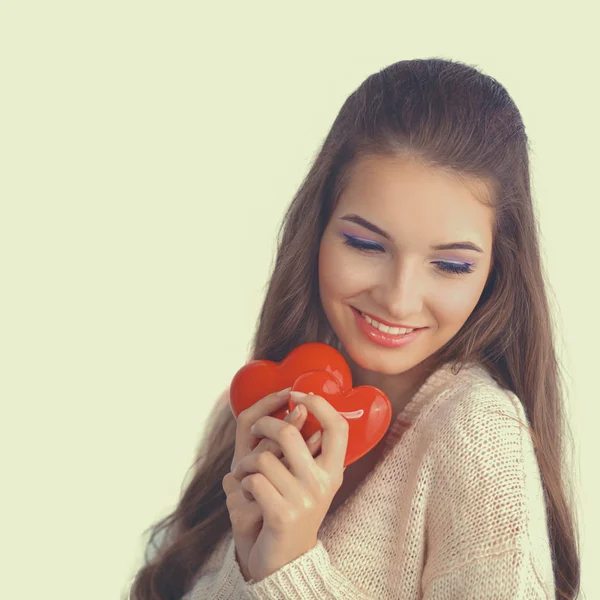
(372, 247)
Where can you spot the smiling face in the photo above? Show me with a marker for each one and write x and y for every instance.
(403, 279)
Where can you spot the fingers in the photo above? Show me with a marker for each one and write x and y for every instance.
(272, 505)
(229, 484)
(268, 469)
(243, 509)
(313, 446)
(268, 445)
(265, 406)
(235, 493)
(334, 433)
(291, 442)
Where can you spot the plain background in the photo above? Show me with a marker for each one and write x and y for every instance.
(148, 151)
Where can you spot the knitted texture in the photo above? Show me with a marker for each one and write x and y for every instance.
(454, 508)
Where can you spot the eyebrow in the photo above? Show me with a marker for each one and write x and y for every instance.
(353, 218)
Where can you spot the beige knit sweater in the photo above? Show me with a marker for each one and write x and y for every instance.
(454, 508)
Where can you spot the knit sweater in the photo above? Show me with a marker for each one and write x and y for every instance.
(454, 509)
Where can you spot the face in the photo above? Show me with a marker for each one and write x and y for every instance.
(396, 274)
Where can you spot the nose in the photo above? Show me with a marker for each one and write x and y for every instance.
(400, 294)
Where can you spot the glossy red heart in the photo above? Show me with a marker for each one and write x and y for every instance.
(259, 378)
(366, 408)
(321, 369)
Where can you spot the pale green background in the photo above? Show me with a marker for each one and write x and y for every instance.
(148, 151)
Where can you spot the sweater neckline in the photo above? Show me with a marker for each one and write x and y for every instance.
(436, 382)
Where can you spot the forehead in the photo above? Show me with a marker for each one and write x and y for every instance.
(409, 199)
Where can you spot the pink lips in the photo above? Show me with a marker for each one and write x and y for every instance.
(384, 339)
(380, 320)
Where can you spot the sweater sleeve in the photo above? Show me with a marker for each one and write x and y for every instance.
(309, 577)
(487, 533)
(222, 582)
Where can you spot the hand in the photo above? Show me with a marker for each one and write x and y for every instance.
(244, 512)
(293, 502)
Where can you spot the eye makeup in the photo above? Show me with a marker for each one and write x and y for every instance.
(362, 243)
(370, 247)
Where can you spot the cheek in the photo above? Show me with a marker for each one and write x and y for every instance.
(333, 272)
(339, 274)
(454, 308)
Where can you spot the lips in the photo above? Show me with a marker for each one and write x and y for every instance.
(384, 322)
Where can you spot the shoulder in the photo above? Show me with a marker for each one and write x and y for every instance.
(480, 431)
(474, 411)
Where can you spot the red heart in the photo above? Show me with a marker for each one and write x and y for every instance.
(366, 408)
(259, 378)
(321, 369)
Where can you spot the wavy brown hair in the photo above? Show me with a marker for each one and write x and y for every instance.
(451, 116)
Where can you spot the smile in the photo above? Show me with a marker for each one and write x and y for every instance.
(389, 337)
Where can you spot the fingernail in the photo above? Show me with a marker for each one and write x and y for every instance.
(295, 413)
(298, 396)
(284, 393)
(314, 438)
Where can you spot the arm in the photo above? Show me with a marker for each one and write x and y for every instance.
(487, 529)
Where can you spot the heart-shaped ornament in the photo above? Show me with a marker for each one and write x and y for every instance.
(259, 378)
(321, 369)
(366, 408)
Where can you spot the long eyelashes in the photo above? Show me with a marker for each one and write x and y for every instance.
(372, 247)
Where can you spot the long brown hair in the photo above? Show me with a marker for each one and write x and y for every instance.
(450, 116)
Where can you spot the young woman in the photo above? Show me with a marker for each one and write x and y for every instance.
(416, 214)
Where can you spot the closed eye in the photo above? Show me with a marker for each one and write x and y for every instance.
(374, 248)
(362, 245)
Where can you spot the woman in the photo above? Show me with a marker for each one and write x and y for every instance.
(416, 213)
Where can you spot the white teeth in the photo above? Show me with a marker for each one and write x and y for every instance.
(386, 328)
